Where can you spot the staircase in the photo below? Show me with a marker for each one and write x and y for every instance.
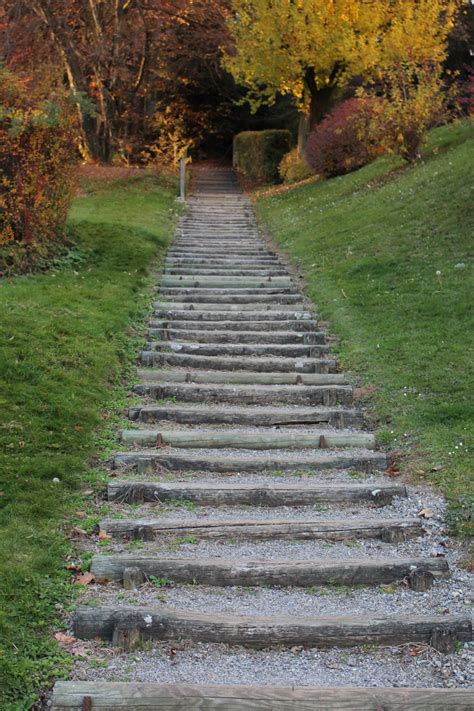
(246, 466)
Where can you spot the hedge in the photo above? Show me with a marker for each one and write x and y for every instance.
(257, 154)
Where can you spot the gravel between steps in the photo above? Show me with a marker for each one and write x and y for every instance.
(450, 595)
(401, 507)
(217, 664)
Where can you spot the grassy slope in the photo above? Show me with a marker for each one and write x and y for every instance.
(65, 345)
(379, 253)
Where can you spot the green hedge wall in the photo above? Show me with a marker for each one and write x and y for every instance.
(257, 154)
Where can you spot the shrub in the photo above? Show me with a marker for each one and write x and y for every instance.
(345, 139)
(257, 154)
(292, 168)
(413, 100)
(37, 167)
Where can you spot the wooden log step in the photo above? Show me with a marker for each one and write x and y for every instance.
(229, 307)
(217, 271)
(241, 377)
(121, 696)
(240, 439)
(148, 461)
(223, 262)
(338, 417)
(280, 573)
(233, 494)
(261, 326)
(259, 294)
(162, 623)
(327, 395)
(234, 363)
(233, 317)
(223, 336)
(388, 530)
(220, 252)
(246, 241)
(168, 280)
(286, 350)
(237, 296)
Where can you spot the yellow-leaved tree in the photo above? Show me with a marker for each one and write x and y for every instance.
(309, 48)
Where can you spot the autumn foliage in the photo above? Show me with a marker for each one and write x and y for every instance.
(346, 139)
(38, 138)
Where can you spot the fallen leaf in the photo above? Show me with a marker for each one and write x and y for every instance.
(425, 513)
(392, 471)
(79, 650)
(84, 579)
(77, 532)
(74, 567)
(104, 536)
(64, 638)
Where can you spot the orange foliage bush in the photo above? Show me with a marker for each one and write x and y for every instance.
(38, 139)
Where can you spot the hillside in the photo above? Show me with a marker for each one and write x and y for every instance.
(386, 253)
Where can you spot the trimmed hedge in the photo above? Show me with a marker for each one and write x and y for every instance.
(257, 154)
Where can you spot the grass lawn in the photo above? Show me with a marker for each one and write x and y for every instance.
(387, 258)
(68, 338)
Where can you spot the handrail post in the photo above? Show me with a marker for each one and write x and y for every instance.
(182, 176)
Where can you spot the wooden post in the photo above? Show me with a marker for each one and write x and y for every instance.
(182, 177)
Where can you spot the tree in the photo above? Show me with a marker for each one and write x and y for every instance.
(310, 48)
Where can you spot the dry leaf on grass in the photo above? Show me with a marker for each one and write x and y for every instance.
(84, 579)
(64, 638)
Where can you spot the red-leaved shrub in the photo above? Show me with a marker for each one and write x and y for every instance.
(345, 139)
(38, 139)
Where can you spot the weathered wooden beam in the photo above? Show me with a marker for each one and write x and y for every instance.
(168, 280)
(221, 297)
(327, 395)
(240, 439)
(230, 494)
(260, 632)
(245, 572)
(261, 326)
(391, 530)
(231, 316)
(239, 377)
(233, 363)
(337, 417)
(222, 336)
(148, 461)
(237, 349)
(119, 696)
(231, 307)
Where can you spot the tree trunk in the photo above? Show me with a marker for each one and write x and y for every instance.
(320, 103)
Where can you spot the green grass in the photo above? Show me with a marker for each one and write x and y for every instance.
(380, 250)
(68, 341)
